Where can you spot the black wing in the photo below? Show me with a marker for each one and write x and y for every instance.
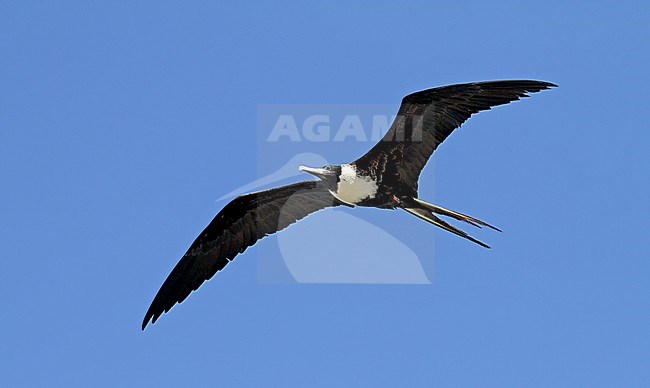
(238, 225)
(426, 118)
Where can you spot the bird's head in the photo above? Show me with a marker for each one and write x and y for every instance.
(329, 174)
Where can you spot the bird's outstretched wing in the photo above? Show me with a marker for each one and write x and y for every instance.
(238, 225)
(426, 118)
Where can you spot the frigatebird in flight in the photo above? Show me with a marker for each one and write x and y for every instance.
(386, 177)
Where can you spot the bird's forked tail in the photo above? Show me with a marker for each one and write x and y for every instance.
(425, 211)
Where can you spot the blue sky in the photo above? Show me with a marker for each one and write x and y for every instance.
(122, 123)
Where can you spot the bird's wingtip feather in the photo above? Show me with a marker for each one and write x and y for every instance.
(146, 320)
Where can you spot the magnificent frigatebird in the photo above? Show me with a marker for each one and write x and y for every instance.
(386, 177)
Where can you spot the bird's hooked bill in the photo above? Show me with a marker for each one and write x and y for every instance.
(319, 172)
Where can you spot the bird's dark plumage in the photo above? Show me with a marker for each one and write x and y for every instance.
(385, 177)
(239, 225)
(426, 118)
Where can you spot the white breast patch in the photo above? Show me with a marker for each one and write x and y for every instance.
(353, 188)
